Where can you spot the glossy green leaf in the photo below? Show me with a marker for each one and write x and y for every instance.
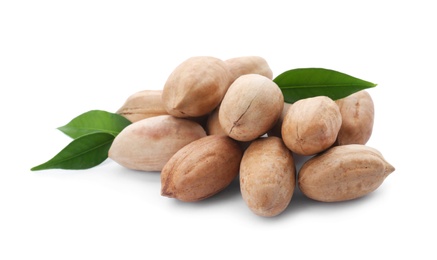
(310, 82)
(82, 153)
(95, 121)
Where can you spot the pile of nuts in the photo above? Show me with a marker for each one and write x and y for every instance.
(218, 120)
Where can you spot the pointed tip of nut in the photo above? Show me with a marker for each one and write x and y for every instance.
(166, 194)
(389, 169)
(166, 189)
(177, 112)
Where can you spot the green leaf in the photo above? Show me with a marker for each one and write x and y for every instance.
(310, 82)
(95, 121)
(82, 153)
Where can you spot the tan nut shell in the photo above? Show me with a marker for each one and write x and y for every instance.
(276, 130)
(267, 176)
(143, 104)
(311, 125)
(343, 173)
(357, 112)
(196, 87)
(251, 106)
(213, 126)
(148, 144)
(248, 65)
(201, 169)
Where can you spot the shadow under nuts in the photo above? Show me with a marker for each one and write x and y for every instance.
(148, 144)
(267, 176)
(343, 173)
(311, 125)
(201, 169)
(251, 106)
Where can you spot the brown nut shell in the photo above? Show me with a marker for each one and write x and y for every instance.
(251, 106)
(267, 176)
(343, 173)
(201, 169)
(311, 125)
(143, 104)
(276, 130)
(148, 144)
(357, 112)
(213, 126)
(196, 87)
(239, 66)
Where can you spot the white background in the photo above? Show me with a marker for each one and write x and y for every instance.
(59, 59)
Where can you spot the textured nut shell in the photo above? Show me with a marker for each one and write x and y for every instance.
(251, 107)
(149, 143)
(248, 65)
(343, 173)
(276, 130)
(196, 87)
(143, 104)
(357, 112)
(311, 125)
(267, 176)
(201, 169)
